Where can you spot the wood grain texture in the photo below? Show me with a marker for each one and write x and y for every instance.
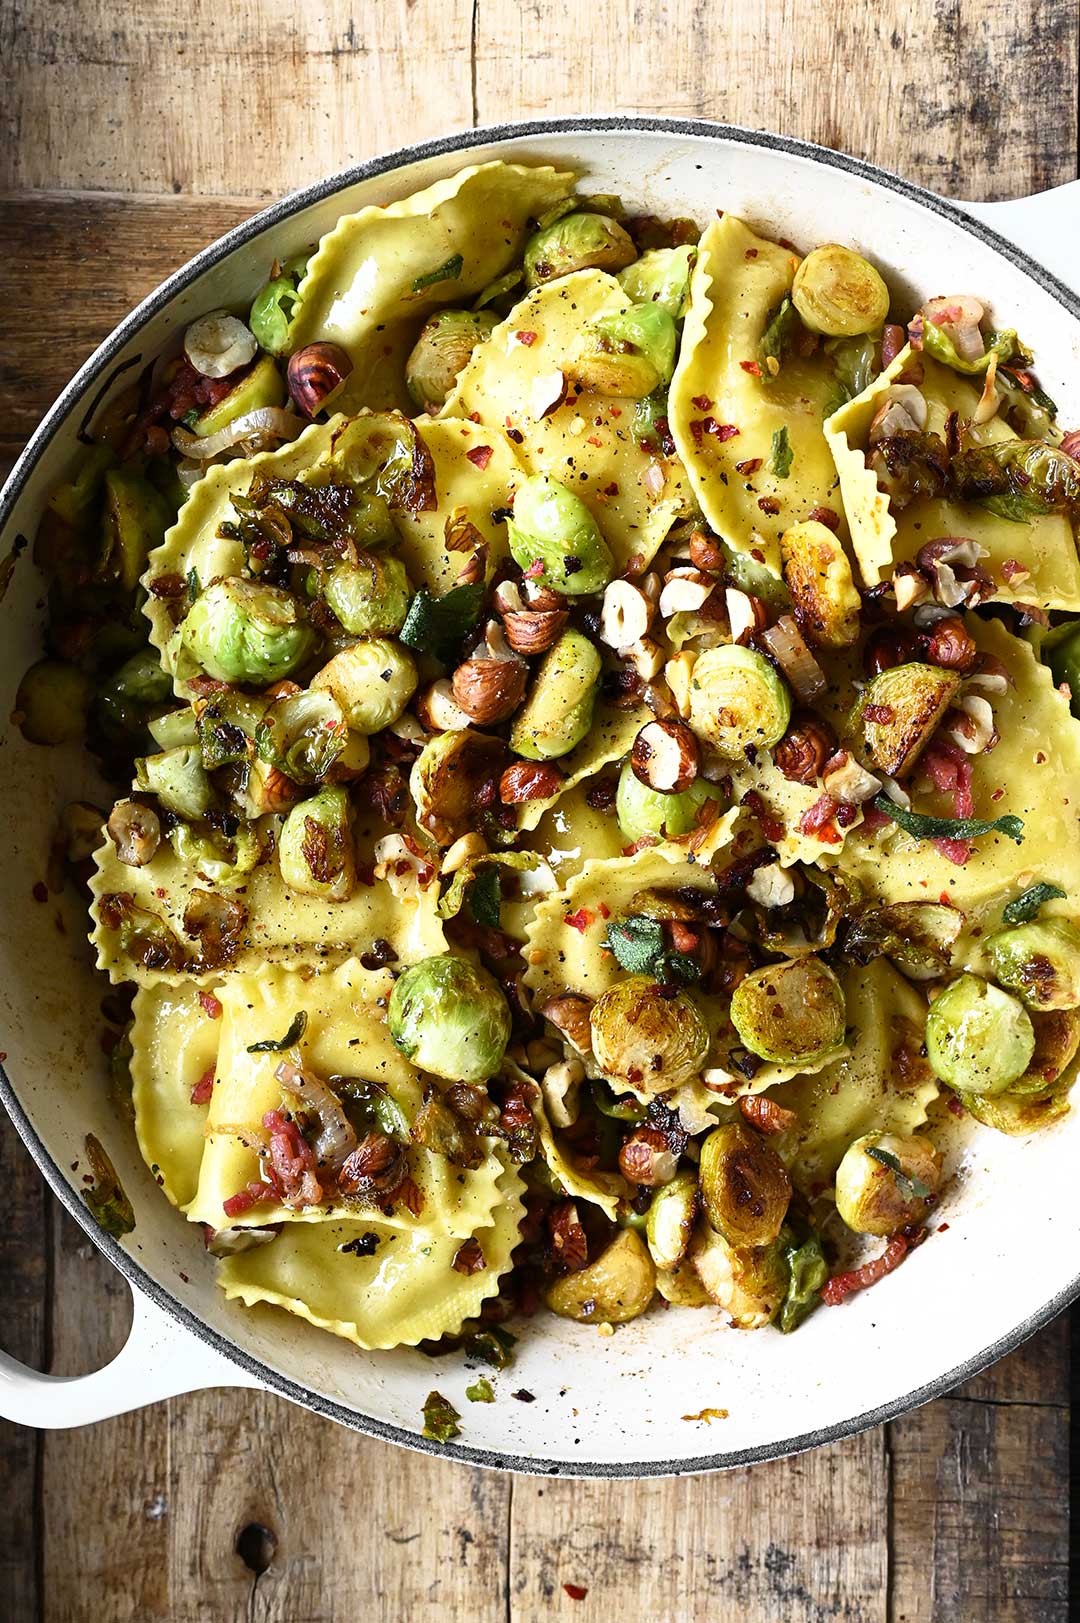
(956, 1514)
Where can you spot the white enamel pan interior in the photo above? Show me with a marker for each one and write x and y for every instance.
(1011, 1257)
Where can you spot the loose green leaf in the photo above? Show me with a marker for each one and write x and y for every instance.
(480, 1391)
(780, 330)
(782, 454)
(106, 1199)
(807, 1273)
(440, 1418)
(949, 828)
(293, 1035)
(438, 625)
(472, 871)
(637, 942)
(493, 1346)
(910, 1187)
(1027, 905)
(447, 272)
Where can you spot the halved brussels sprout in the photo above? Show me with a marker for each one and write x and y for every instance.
(899, 710)
(880, 1192)
(442, 351)
(738, 700)
(979, 1039)
(745, 1188)
(315, 847)
(1057, 1039)
(370, 597)
(628, 354)
(749, 1283)
(243, 631)
(578, 241)
(450, 1017)
(556, 540)
(372, 681)
(617, 1287)
(919, 936)
(173, 728)
(303, 734)
(558, 710)
(669, 1222)
(645, 1038)
(216, 859)
(819, 579)
(1040, 961)
(791, 1012)
(74, 498)
(445, 778)
(262, 386)
(681, 1285)
(1016, 1115)
(662, 276)
(179, 780)
(839, 293)
(52, 702)
(642, 811)
(274, 307)
(134, 521)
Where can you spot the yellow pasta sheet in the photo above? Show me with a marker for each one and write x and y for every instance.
(174, 1040)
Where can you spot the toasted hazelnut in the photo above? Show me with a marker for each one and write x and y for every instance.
(765, 1114)
(534, 631)
(677, 674)
(538, 596)
(706, 552)
(135, 831)
(888, 646)
(847, 781)
(646, 657)
(971, 724)
(658, 699)
(626, 614)
(569, 1012)
(561, 1088)
(645, 1158)
(805, 747)
(468, 846)
(746, 614)
(685, 590)
(666, 756)
(547, 393)
(489, 690)
(910, 586)
(529, 780)
(438, 710)
(376, 1166)
(316, 373)
(950, 644)
(771, 886)
(506, 598)
(474, 570)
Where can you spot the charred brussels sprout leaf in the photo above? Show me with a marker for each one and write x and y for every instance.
(276, 1045)
(480, 1391)
(937, 342)
(439, 625)
(494, 1346)
(919, 936)
(1018, 479)
(134, 521)
(440, 1419)
(807, 1274)
(108, 1203)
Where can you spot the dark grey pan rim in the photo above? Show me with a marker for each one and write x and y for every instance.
(90, 373)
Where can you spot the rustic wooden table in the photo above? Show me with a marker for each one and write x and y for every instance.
(130, 138)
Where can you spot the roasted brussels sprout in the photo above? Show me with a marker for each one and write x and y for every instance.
(669, 1222)
(1040, 961)
(745, 1188)
(791, 1012)
(370, 597)
(919, 936)
(1016, 1114)
(52, 702)
(450, 1017)
(748, 1282)
(73, 499)
(738, 700)
(682, 1286)
(662, 277)
(1057, 1039)
(645, 1038)
(628, 355)
(442, 351)
(555, 538)
(618, 1286)
(315, 847)
(302, 734)
(839, 293)
(446, 777)
(243, 631)
(578, 241)
(898, 712)
(886, 1181)
(214, 858)
(134, 521)
(818, 577)
(262, 386)
(558, 710)
(642, 811)
(274, 307)
(179, 780)
(372, 681)
(979, 1039)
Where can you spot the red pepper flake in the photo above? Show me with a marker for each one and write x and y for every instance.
(841, 1286)
(160, 892)
(210, 1005)
(945, 899)
(480, 456)
(1040, 757)
(752, 367)
(614, 411)
(768, 505)
(535, 569)
(605, 911)
(942, 1228)
(203, 1090)
(580, 920)
(702, 402)
(576, 1591)
(40, 892)
(751, 465)
(696, 430)
(594, 439)
(474, 416)
(955, 1107)
(720, 431)
(997, 794)
(526, 338)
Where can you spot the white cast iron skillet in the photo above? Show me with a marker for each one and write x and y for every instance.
(604, 1407)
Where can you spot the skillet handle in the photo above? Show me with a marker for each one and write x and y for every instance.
(159, 1360)
(1046, 227)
